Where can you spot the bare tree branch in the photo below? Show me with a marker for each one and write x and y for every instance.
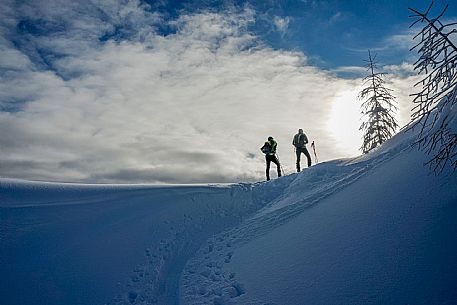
(438, 94)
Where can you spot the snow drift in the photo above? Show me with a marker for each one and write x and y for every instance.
(378, 229)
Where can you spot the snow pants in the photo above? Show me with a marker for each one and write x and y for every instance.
(269, 159)
(298, 152)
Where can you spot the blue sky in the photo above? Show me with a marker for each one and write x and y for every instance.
(187, 91)
(332, 33)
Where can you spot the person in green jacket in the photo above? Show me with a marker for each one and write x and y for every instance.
(269, 149)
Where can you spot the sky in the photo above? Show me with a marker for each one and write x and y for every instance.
(130, 91)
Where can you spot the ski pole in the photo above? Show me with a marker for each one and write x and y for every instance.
(314, 149)
(280, 166)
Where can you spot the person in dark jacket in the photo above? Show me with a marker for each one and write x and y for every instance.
(269, 149)
(300, 140)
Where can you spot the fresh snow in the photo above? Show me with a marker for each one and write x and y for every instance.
(377, 229)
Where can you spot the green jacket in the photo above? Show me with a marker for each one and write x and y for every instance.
(273, 146)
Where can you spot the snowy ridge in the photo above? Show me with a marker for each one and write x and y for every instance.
(204, 279)
(255, 244)
(19, 193)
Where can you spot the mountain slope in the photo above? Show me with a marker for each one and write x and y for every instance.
(380, 241)
(378, 229)
(83, 244)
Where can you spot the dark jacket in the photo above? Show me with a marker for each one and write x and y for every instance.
(300, 140)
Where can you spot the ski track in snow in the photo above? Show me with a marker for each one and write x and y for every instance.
(156, 281)
(177, 219)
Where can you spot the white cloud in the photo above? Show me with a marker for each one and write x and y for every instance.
(338, 16)
(194, 106)
(357, 70)
(391, 44)
(400, 41)
(404, 68)
(281, 24)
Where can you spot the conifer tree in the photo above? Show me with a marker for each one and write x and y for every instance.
(435, 110)
(378, 106)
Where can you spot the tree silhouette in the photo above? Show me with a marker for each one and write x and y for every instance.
(435, 109)
(378, 105)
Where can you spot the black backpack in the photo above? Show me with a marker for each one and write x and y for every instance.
(266, 148)
(300, 140)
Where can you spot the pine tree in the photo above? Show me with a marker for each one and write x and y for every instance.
(435, 107)
(378, 105)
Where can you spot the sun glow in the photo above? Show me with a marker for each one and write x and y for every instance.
(344, 122)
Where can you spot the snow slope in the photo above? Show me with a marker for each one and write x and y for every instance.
(85, 244)
(378, 229)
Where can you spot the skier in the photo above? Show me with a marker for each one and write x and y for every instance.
(300, 141)
(269, 149)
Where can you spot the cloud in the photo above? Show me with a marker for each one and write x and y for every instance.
(402, 41)
(351, 70)
(137, 106)
(312, 3)
(392, 44)
(337, 17)
(281, 24)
